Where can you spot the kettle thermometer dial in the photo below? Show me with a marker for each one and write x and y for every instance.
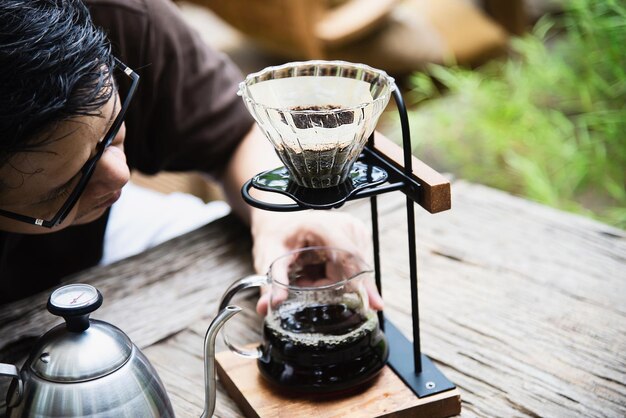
(75, 302)
(74, 296)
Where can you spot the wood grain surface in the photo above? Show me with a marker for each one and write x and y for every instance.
(385, 396)
(521, 306)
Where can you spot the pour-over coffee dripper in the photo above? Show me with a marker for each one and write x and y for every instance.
(317, 115)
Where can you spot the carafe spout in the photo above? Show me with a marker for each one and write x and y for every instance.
(209, 357)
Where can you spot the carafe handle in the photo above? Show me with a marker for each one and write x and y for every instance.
(241, 284)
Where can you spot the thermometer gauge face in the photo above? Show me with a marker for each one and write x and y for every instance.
(74, 296)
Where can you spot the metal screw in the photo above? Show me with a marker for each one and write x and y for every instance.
(430, 385)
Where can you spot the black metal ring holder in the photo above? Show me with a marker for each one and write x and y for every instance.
(372, 174)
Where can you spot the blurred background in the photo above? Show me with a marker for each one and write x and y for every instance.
(523, 95)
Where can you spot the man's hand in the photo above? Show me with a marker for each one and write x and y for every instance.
(275, 234)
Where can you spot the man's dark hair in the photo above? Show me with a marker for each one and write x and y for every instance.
(54, 65)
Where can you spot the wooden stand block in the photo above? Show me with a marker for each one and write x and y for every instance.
(386, 396)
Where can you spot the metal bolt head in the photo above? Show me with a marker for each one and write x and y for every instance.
(430, 385)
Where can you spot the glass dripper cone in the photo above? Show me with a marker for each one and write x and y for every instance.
(317, 115)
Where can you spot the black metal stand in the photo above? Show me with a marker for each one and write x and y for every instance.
(371, 176)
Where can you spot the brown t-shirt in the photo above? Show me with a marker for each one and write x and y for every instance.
(184, 116)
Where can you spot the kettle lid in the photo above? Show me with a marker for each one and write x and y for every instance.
(81, 349)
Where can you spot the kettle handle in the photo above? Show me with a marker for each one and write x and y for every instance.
(241, 284)
(10, 370)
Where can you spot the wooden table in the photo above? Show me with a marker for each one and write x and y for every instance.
(522, 306)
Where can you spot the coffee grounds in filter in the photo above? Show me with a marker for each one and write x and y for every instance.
(322, 166)
(323, 163)
(329, 116)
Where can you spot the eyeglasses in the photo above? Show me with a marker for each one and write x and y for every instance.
(87, 170)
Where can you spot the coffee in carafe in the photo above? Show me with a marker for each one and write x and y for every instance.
(322, 348)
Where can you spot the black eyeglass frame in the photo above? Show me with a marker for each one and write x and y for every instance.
(88, 169)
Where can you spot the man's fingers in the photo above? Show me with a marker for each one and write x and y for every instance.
(262, 303)
(376, 301)
(277, 296)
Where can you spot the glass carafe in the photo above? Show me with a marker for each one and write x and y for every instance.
(319, 334)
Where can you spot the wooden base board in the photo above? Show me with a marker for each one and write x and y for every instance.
(386, 396)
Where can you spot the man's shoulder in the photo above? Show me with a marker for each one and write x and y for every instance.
(156, 13)
(125, 23)
(133, 6)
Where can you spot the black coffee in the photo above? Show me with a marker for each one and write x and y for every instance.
(323, 348)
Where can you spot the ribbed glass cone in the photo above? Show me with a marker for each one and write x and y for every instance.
(317, 115)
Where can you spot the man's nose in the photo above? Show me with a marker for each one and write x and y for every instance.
(111, 172)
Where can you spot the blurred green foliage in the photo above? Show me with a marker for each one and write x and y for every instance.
(547, 123)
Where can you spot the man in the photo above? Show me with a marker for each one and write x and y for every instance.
(74, 120)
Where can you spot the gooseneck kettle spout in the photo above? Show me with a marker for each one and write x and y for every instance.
(209, 357)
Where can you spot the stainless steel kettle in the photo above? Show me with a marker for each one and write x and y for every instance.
(88, 367)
